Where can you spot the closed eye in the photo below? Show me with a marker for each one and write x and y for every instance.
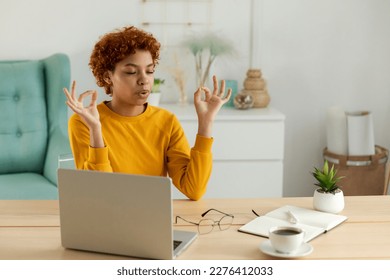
(150, 70)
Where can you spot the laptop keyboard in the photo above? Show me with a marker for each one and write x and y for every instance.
(176, 243)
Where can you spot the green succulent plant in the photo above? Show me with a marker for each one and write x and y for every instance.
(327, 179)
(156, 85)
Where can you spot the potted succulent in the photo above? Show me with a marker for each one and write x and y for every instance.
(155, 94)
(328, 197)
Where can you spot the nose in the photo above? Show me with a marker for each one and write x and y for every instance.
(143, 80)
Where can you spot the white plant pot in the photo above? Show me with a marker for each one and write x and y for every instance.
(154, 98)
(328, 202)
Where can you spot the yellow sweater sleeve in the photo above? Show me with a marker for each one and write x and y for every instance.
(85, 156)
(190, 171)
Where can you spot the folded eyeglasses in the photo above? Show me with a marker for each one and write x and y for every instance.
(207, 225)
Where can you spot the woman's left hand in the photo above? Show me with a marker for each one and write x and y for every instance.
(208, 108)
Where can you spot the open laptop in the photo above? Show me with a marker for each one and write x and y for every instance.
(119, 214)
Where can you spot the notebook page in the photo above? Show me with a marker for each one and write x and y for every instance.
(326, 221)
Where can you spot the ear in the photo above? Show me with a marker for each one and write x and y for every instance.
(107, 77)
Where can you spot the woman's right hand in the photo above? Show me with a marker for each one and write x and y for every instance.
(89, 114)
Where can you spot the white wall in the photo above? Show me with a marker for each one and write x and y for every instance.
(321, 53)
(313, 54)
(34, 29)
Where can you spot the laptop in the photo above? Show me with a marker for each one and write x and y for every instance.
(119, 214)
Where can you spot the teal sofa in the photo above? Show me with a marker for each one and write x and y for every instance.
(33, 126)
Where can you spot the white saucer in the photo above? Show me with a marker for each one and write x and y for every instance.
(302, 251)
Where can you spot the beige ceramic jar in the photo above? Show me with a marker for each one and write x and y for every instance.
(253, 73)
(254, 84)
(261, 98)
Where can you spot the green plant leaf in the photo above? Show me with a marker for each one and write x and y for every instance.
(327, 179)
(326, 167)
(156, 85)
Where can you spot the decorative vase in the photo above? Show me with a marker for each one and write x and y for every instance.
(253, 73)
(260, 97)
(232, 84)
(255, 86)
(254, 83)
(183, 101)
(328, 202)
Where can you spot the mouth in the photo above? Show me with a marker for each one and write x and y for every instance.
(143, 93)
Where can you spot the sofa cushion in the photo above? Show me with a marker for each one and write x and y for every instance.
(23, 130)
(27, 186)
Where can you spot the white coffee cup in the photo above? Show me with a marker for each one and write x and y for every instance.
(286, 239)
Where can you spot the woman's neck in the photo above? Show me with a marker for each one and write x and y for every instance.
(126, 111)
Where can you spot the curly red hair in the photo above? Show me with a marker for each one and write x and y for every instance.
(115, 46)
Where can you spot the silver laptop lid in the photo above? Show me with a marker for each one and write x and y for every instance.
(116, 213)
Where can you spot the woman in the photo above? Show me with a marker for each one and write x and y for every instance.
(129, 136)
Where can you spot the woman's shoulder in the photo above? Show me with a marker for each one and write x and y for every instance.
(164, 118)
(160, 112)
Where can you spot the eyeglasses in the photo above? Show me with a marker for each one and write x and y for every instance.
(207, 225)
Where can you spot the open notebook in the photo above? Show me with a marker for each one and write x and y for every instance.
(313, 222)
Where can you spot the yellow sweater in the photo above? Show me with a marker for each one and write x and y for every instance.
(152, 143)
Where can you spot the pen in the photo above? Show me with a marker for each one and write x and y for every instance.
(293, 218)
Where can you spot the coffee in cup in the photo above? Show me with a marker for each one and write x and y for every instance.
(286, 239)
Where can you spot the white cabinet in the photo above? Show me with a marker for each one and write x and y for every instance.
(248, 151)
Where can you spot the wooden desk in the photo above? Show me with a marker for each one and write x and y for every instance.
(30, 230)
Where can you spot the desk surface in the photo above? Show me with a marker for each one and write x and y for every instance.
(30, 230)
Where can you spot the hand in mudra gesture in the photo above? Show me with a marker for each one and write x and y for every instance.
(208, 108)
(89, 114)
